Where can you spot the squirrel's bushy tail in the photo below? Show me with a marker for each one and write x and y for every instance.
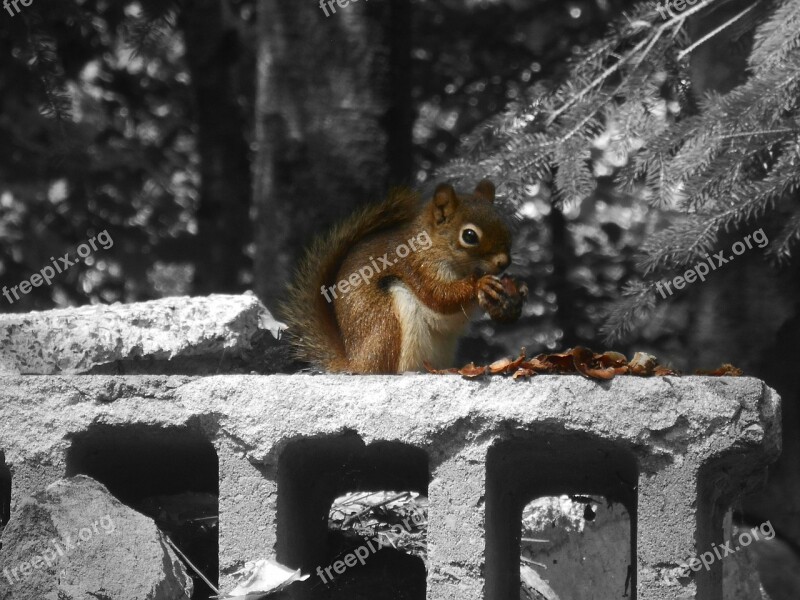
(313, 330)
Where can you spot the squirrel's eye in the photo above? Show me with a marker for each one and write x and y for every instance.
(470, 237)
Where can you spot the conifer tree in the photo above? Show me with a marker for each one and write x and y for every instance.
(722, 161)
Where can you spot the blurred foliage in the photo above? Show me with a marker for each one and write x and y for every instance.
(101, 131)
(98, 138)
(97, 119)
(465, 72)
(101, 135)
(627, 129)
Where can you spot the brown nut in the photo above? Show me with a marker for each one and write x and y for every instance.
(505, 306)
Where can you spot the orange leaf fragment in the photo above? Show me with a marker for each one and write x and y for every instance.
(472, 371)
(506, 365)
(662, 371)
(642, 364)
(537, 365)
(585, 360)
(562, 361)
(612, 359)
(726, 370)
(517, 361)
(430, 369)
(500, 366)
(520, 373)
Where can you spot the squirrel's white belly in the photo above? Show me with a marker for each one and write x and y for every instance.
(426, 334)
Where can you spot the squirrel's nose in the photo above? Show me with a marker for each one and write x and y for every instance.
(501, 261)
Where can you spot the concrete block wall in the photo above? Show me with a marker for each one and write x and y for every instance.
(674, 451)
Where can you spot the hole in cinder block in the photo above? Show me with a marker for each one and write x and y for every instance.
(738, 554)
(576, 546)
(169, 474)
(313, 478)
(751, 556)
(546, 469)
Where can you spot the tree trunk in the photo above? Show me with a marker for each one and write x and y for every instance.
(400, 116)
(223, 212)
(323, 96)
(563, 256)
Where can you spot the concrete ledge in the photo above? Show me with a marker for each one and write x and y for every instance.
(85, 339)
(675, 451)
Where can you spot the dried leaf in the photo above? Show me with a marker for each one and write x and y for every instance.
(643, 364)
(472, 371)
(585, 363)
(662, 371)
(430, 369)
(563, 362)
(517, 361)
(499, 366)
(578, 360)
(612, 359)
(538, 366)
(726, 370)
(519, 373)
(506, 365)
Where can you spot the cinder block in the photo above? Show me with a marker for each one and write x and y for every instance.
(674, 451)
(27, 477)
(248, 495)
(456, 508)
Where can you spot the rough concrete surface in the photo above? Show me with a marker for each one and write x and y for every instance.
(73, 540)
(77, 340)
(692, 442)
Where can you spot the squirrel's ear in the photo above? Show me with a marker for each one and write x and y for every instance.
(485, 190)
(445, 202)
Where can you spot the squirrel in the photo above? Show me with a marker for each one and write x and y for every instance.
(390, 289)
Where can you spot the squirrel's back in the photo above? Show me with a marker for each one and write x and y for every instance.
(311, 318)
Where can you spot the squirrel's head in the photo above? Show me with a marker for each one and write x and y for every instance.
(470, 227)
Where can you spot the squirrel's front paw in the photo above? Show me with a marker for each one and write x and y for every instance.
(501, 297)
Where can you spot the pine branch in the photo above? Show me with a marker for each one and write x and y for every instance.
(46, 66)
(714, 32)
(684, 243)
(574, 180)
(153, 27)
(777, 37)
(723, 162)
(637, 303)
(781, 247)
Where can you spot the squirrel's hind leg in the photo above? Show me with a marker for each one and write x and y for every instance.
(373, 345)
(379, 350)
